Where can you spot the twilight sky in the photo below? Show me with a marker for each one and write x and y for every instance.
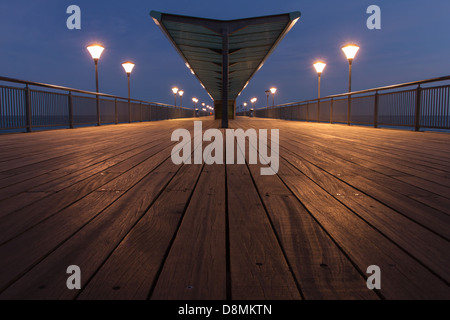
(35, 44)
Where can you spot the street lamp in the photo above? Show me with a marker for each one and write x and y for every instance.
(350, 51)
(319, 66)
(128, 66)
(175, 90)
(181, 92)
(267, 95)
(253, 100)
(96, 51)
(195, 100)
(273, 90)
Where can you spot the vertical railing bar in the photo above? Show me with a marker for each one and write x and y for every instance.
(331, 110)
(98, 109)
(8, 107)
(318, 110)
(436, 108)
(116, 117)
(70, 97)
(28, 108)
(14, 100)
(442, 109)
(375, 111)
(430, 106)
(447, 114)
(307, 111)
(417, 109)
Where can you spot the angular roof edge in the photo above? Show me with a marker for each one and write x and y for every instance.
(277, 25)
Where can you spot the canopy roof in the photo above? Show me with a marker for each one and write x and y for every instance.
(203, 44)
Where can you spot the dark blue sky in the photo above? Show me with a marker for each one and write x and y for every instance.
(413, 44)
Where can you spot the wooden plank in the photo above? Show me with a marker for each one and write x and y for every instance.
(378, 187)
(373, 184)
(324, 211)
(398, 168)
(93, 243)
(430, 249)
(196, 266)
(320, 267)
(132, 269)
(393, 142)
(370, 154)
(19, 221)
(403, 277)
(14, 223)
(57, 229)
(60, 179)
(23, 252)
(258, 267)
(89, 150)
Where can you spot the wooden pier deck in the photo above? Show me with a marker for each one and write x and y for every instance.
(109, 200)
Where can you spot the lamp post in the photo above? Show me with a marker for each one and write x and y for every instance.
(253, 106)
(319, 66)
(350, 51)
(96, 51)
(195, 100)
(273, 90)
(128, 67)
(267, 95)
(181, 92)
(175, 90)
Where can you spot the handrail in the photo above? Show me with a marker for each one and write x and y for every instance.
(390, 87)
(56, 87)
(417, 106)
(31, 107)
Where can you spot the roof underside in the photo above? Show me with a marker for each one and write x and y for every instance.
(200, 42)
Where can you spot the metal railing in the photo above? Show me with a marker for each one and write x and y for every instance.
(51, 106)
(418, 106)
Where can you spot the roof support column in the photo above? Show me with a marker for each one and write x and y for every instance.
(225, 54)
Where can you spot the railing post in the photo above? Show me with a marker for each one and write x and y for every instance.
(140, 103)
(98, 110)
(70, 102)
(116, 116)
(375, 111)
(349, 109)
(129, 110)
(318, 110)
(417, 112)
(28, 108)
(307, 111)
(331, 110)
